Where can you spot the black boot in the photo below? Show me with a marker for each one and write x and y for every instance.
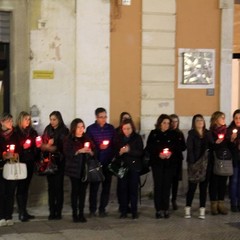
(81, 218)
(22, 209)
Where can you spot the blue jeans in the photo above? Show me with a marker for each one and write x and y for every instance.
(235, 186)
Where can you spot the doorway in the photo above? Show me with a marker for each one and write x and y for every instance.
(4, 62)
(235, 82)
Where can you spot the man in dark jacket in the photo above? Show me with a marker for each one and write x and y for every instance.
(102, 134)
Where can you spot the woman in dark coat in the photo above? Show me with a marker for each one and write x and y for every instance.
(8, 137)
(162, 147)
(52, 148)
(218, 184)
(198, 141)
(29, 154)
(129, 154)
(233, 133)
(181, 144)
(77, 149)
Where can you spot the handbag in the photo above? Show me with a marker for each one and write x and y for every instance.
(198, 170)
(223, 165)
(14, 170)
(46, 166)
(117, 169)
(94, 171)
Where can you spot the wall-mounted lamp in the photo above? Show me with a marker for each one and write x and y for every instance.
(126, 2)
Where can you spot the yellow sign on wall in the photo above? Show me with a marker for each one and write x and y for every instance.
(43, 74)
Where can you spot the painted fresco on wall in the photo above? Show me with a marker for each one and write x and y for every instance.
(196, 68)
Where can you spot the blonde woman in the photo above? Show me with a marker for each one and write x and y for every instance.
(28, 154)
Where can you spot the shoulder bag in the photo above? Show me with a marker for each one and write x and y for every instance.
(118, 169)
(223, 165)
(198, 170)
(94, 171)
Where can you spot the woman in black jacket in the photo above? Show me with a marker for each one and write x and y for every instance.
(8, 139)
(233, 133)
(198, 141)
(77, 149)
(218, 184)
(130, 150)
(29, 154)
(162, 148)
(52, 148)
(181, 144)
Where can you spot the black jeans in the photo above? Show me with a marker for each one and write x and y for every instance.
(7, 194)
(162, 178)
(104, 199)
(128, 191)
(217, 187)
(55, 193)
(78, 195)
(191, 191)
(23, 189)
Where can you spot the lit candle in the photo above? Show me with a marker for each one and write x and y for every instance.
(220, 136)
(166, 151)
(11, 148)
(87, 144)
(38, 141)
(105, 142)
(234, 131)
(27, 143)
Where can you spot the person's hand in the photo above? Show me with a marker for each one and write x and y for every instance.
(51, 141)
(7, 155)
(233, 136)
(219, 140)
(124, 149)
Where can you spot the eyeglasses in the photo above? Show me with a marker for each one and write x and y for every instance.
(102, 117)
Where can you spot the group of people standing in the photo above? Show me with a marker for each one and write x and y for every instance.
(72, 149)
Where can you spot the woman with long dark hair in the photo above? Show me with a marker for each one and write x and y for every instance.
(198, 141)
(52, 148)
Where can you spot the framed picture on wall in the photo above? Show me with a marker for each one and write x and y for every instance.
(196, 68)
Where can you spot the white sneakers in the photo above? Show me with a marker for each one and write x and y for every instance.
(188, 212)
(4, 222)
(201, 213)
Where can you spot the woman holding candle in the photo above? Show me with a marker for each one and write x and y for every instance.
(29, 154)
(52, 148)
(198, 141)
(234, 137)
(77, 150)
(161, 145)
(9, 149)
(217, 184)
(129, 153)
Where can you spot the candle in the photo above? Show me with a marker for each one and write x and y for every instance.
(166, 151)
(234, 131)
(220, 136)
(12, 148)
(105, 142)
(38, 141)
(87, 144)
